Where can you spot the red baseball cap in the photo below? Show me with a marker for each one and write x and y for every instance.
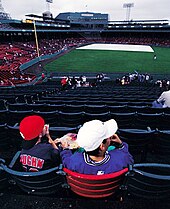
(31, 126)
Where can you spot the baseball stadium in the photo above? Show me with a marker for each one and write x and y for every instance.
(69, 70)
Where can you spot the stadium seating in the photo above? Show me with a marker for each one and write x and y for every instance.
(38, 183)
(5, 140)
(148, 180)
(139, 141)
(96, 116)
(95, 108)
(3, 105)
(56, 107)
(18, 107)
(144, 120)
(3, 177)
(57, 132)
(4, 116)
(71, 119)
(162, 143)
(50, 117)
(124, 120)
(163, 123)
(66, 110)
(14, 135)
(14, 116)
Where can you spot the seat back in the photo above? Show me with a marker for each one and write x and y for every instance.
(125, 120)
(71, 119)
(144, 120)
(57, 131)
(3, 177)
(15, 117)
(94, 186)
(39, 183)
(5, 140)
(149, 180)
(162, 143)
(138, 141)
(96, 116)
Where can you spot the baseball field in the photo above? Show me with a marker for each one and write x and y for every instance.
(113, 59)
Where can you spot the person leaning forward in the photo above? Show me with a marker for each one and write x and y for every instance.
(39, 151)
(95, 137)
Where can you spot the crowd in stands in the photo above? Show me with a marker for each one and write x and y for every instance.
(135, 77)
(139, 40)
(73, 82)
(13, 55)
(163, 83)
(80, 81)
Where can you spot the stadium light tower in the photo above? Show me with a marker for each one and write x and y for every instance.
(48, 4)
(128, 6)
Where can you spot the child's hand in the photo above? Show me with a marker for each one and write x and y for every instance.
(116, 139)
(46, 130)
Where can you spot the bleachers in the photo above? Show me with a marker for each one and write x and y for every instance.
(143, 180)
(130, 106)
(144, 128)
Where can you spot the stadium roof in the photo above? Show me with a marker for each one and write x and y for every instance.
(47, 18)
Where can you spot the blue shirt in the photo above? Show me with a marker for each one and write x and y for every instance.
(114, 160)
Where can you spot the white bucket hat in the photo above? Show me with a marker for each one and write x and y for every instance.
(92, 133)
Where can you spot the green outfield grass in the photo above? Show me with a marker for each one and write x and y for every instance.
(112, 61)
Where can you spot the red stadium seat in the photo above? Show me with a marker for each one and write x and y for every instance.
(94, 186)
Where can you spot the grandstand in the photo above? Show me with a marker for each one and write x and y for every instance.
(24, 91)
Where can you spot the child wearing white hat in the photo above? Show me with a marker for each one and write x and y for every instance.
(95, 137)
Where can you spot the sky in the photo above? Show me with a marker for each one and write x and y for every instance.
(142, 9)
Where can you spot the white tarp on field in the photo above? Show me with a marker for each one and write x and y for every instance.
(119, 47)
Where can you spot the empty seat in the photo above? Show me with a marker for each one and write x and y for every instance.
(163, 123)
(138, 141)
(73, 108)
(37, 107)
(50, 117)
(14, 135)
(4, 116)
(149, 181)
(3, 177)
(3, 104)
(5, 140)
(162, 143)
(15, 117)
(57, 132)
(95, 109)
(117, 108)
(96, 116)
(144, 120)
(124, 120)
(71, 119)
(18, 107)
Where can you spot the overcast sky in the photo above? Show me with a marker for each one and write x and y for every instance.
(143, 9)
